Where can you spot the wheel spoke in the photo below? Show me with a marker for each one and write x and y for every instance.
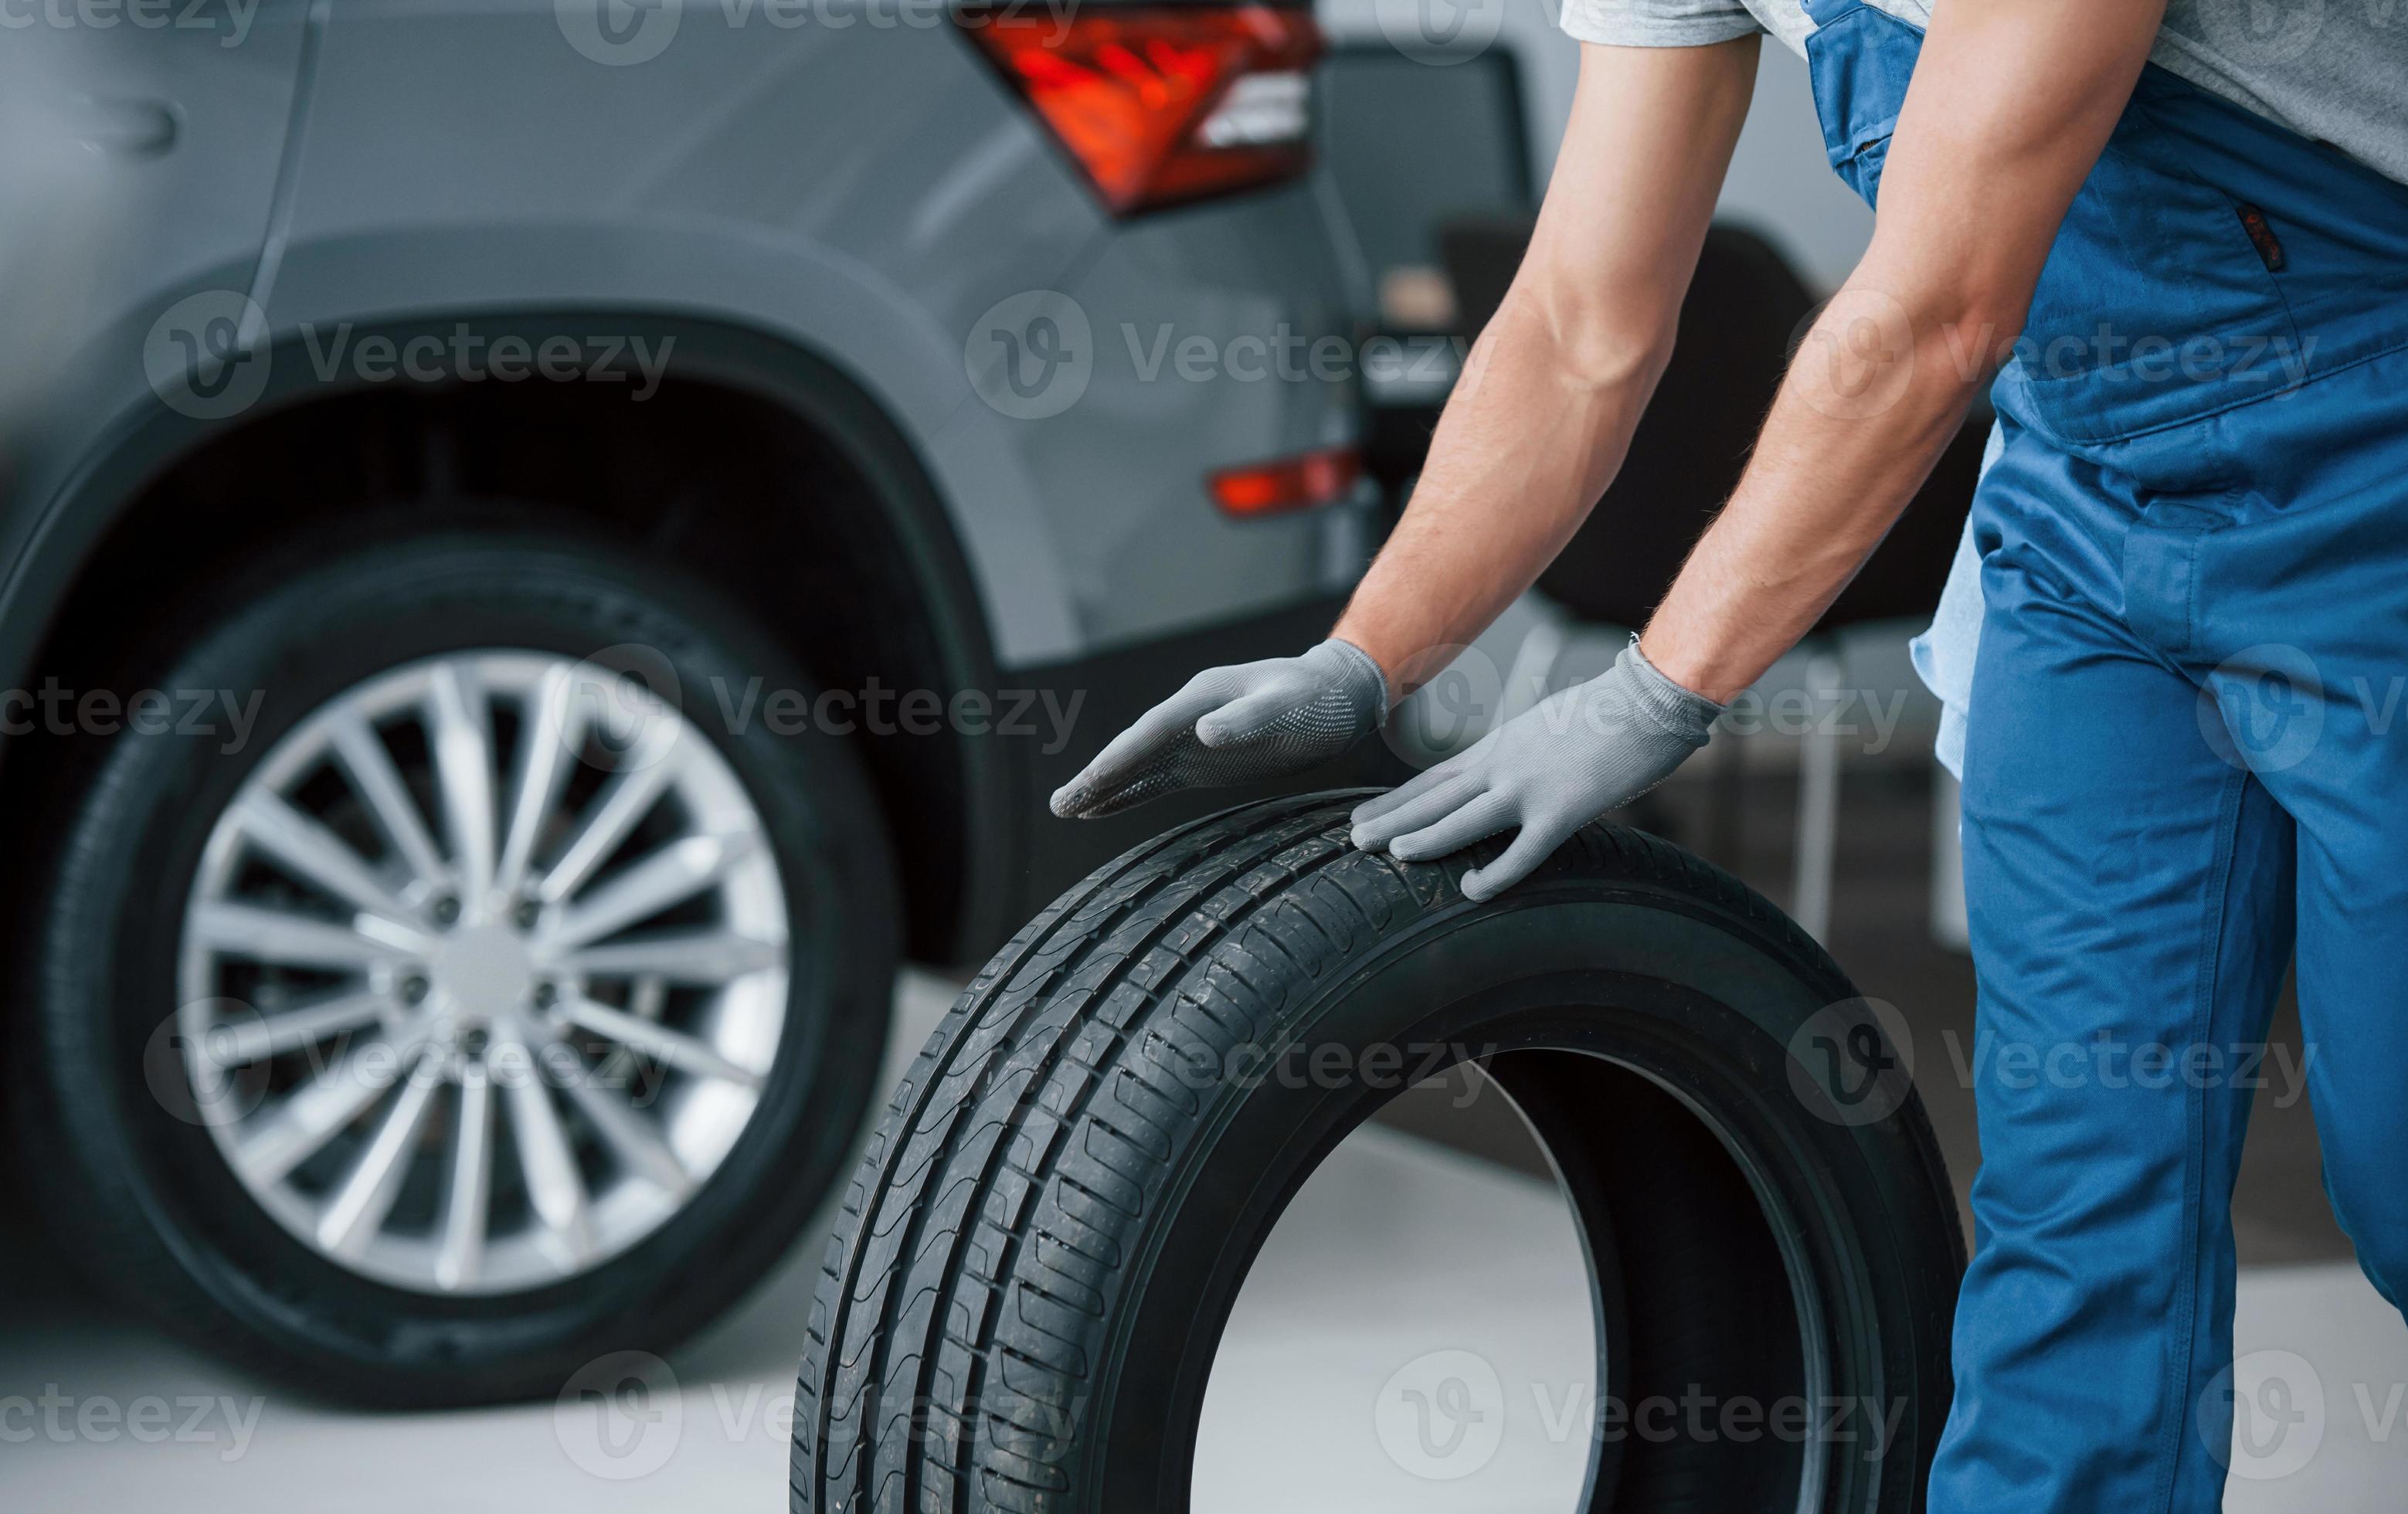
(686, 1053)
(554, 1188)
(358, 1209)
(670, 876)
(463, 746)
(314, 1112)
(635, 1139)
(286, 939)
(550, 736)
(289, 1029)
(625, 801)
(707, 958)
(465, 1202)
(315, 854)
(648, 994)
(378, 784)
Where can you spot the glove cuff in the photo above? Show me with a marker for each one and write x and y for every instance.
(1672, 708)
(1359, 674)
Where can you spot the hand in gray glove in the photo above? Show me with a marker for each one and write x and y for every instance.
(1547, 772)
(1234, 725)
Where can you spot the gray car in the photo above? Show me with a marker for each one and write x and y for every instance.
(547, 547)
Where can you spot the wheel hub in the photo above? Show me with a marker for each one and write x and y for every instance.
(482, 973)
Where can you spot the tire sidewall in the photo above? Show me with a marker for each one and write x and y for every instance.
(131, 850)
(1698, 1003)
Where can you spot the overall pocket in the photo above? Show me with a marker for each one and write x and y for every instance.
(2159, 302)
(1860, 60)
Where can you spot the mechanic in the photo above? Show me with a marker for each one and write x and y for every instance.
(2186, 575)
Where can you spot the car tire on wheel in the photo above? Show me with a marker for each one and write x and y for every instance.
(490, 998)
(1052, 1221)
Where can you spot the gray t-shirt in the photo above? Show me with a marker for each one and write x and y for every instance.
(2335, 70)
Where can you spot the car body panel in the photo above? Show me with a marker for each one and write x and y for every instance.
(169, 145)
(863, 197)
(732, 214)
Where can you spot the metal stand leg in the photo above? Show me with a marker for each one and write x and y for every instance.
(1726, 801)
(1818, 801)
(1948, 922)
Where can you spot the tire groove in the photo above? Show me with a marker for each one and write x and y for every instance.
(1068, 1122)
(1033, 937)
(1039, 1080)
(992, 1235)
(1039, 936)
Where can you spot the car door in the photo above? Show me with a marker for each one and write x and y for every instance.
(136, 212)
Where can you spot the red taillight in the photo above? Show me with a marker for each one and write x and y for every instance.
(1161, 104)
(1292, 483)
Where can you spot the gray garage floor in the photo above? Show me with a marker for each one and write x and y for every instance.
(1408, 1281)
(1402, 1266)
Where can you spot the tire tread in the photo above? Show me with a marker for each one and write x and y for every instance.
(964, 1294)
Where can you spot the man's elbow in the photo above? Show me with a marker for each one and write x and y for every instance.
(1587, 344)
(1955, 313)
(1973, 324)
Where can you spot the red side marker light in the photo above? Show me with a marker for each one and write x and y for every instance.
(1292, 483)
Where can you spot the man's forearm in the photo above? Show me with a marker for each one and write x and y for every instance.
(2011, 103)
(1877, 391)
(1539, 424)
(1531, 436)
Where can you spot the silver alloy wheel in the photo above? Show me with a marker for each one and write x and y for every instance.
(483, 971)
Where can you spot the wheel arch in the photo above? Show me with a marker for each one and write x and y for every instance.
(167, 502)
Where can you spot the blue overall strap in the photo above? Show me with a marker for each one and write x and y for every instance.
(1861, 59)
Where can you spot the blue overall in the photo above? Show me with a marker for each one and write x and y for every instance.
(2180, 763)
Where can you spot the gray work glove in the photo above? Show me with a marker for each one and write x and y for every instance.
(1234, 725)
(1546, 772)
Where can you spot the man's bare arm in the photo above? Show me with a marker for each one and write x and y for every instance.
(2011, 105)
(1553, 390)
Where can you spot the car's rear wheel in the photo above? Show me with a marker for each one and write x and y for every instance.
(463, 986)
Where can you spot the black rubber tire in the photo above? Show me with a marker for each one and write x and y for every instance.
(1027, 1286)
(143, 1200)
